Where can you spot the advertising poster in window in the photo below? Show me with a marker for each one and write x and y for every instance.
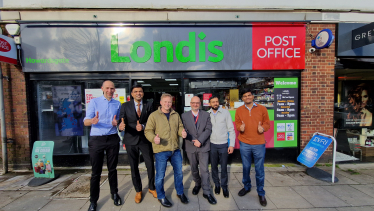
(357, 99)
(119, 94)
(67, 110)
(285, 112)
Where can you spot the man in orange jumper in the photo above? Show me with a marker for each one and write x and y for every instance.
(252, 120)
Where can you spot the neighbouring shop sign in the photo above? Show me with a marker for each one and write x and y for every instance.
(8, 50)
(149, 48)
(355, 39)
(314, 150)
(42, 159)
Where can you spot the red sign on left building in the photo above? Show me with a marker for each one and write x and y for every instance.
(276, 47)
(8, 50)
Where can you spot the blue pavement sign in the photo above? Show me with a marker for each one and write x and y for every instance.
(314, 150)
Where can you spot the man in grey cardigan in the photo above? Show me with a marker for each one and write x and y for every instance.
(219, 149)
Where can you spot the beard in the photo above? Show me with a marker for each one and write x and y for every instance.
(215, 107)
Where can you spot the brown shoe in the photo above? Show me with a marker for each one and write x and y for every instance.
(138, 197)
(153, 192)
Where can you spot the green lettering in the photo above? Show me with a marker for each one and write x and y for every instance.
(42, 61)
(28, 60)
(134, 51)
(67, 61)
(213, 50)
(157, 51)
(33, 60)
(202, 52)
(114, 51)
(191, 44)
(37, 61)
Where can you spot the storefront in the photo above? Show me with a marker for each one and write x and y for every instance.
(66, 65)
(354, 92)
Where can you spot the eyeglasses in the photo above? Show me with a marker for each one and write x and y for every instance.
(195, 102)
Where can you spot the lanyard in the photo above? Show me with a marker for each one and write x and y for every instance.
(196, 117)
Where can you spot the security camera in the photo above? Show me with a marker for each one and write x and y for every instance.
(312, 50)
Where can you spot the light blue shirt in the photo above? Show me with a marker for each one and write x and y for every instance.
(254, 104)
(107, 110)
(136, 106)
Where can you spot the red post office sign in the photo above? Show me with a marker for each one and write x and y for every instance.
(8, 50)
(278, 47)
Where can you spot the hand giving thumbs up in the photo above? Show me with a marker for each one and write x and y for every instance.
(139, 127)
(122, 125)
(260, 128)
(95, 120)
(157, 139)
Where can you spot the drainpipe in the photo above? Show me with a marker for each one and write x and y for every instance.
(3, 128)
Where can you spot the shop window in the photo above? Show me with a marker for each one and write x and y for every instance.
(61, 108)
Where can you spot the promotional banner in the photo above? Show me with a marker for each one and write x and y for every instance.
(206, 97)
(67, 109)
(164, 48)
(119, 94)
(42, 159)
(357, 97)
(314, 150)
(8, 50)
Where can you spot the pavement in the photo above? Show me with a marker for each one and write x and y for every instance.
(287, 187)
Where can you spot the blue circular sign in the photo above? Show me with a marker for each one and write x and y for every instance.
(323, 39)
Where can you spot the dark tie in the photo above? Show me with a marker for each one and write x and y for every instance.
(138, 110)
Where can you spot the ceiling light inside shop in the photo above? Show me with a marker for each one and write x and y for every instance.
(170, 79)
(146, 85)
(173, 84)
(140, 82)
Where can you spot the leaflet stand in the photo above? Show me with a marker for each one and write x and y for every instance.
(319, 173)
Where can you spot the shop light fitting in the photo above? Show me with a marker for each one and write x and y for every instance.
(173, 84)
(170, 79)
(140, 82)
(146, 85)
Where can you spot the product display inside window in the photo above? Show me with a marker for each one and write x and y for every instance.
(280, 99)
(61, 108)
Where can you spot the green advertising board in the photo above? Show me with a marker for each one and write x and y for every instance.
(42, 155)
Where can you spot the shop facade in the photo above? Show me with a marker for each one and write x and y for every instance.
(65, 64)
(353, 90)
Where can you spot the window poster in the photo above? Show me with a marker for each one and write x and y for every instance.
(67, 110)
(357, 103)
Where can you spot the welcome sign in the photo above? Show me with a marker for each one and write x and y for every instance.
(165, 48)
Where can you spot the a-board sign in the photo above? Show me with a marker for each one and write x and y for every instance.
(314, 150)
(42, 159)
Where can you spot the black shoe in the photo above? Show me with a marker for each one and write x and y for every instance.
(217, 190)
(210, 199)
(116, 199)
(263, 201)
(165, 202)
(92, 207)
(225, 192)
(196, 190)
(243, 191)
(183, 198)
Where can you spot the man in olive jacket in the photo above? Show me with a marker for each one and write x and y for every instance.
(162, 130)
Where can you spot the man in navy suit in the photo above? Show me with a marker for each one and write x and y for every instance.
(133, 119)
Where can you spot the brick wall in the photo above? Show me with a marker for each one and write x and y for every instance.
(16, 117)
(317, 90)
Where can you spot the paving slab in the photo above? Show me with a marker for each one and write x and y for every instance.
(192, 205)
(319, 197)
(350, 195)
(360, 178)
(124, 182)
(105, 201)
(239, 177)
(250, 200)
(286, 198)
(344, 180)
(368, 189)
(318, 209)
(367, 172)
(232, 181)
(281, 179)
(33, 200)
(222, 202)
(305, 179)
(79, 188)
(7, 197)
(64, 204)
(48, 186)
(15, 183)
(355, 208)
(147, 203)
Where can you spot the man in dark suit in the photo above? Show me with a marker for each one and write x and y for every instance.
(197, 146)
(133, 119)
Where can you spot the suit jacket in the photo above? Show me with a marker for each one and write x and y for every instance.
(201, 132)
(130, 117)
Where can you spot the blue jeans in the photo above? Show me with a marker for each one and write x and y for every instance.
(161, 163)
(258, 152)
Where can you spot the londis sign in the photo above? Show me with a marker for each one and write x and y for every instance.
(164, 48)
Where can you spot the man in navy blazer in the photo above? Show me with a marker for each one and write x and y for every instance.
(197, 146)
(133, 119)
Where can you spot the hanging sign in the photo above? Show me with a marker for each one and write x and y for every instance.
(42, 159)
(323, 39)
(8, 50)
